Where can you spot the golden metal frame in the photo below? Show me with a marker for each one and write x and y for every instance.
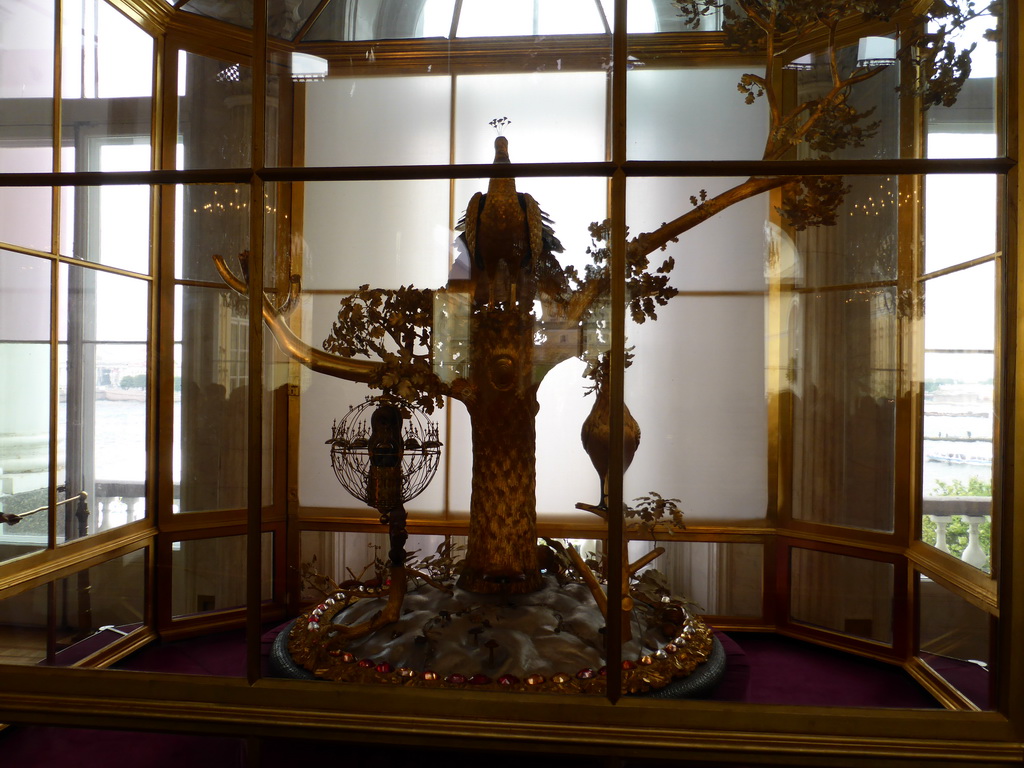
(709, 731)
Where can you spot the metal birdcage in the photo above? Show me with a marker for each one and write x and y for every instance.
(350, 449)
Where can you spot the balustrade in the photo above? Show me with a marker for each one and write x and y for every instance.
(975, 511)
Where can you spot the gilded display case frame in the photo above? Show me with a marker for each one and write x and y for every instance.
(257, 707)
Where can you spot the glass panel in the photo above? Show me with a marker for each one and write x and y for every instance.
(109, 225)
(102, 367)
(23, 627)
(24, 402)
(65, 622)
(717, 578)
(343, 556)
(286, 17)
(25, 212)
(661, 128)
(968, 127)
(553, 117)
(209, 574)
(844, 594)
(956, 641)
(212, 219)
(959, 415)
(951, 200)
(396, 252)
(698, 398)
(379, 20)
(105, 56)
(530, 17)
(843, 406)
(824, 103)
(95, 606)
(838, 311)
(26, 118)
(645, 16)
(26, 59)
(107, 86)
(377, 121)
(699, 401)
(233, 13)
(213, 349)
(214, 112)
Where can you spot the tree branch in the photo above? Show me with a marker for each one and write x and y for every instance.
(755, 185)
(317, 360)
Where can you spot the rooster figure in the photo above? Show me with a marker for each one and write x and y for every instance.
(505, 237)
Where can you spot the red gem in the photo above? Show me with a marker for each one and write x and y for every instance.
(347, 657)
(455, 678)
(508, 680)
(367, 663)
(479, 680)
(384, 668)
(603, 671)
(627, 664)
(585, 674)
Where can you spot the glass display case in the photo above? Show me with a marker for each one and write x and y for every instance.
(327, 319)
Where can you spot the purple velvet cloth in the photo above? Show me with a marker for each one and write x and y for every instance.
(761, 668)
(735, 683)
(788, 671)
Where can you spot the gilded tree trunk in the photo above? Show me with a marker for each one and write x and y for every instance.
(502, 552)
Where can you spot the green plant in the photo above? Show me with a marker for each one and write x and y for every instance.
(958, 528)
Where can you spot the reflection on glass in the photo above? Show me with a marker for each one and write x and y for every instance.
(67, 621)
(24, 401)
(212, 219)
(214, 374)
(284, 17)
(720, 579)
(646, 16)
(209, 574)
(959, 415)
(844, 594)
(956, 641)
(969, 127)
(214, 112)
(372, 21)
(109, 225)
(105, 56)
(107, 85)
(843, 406)
(25, 621)
(838, 311)
(102, 381)
(26, 117)
(342, 556)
